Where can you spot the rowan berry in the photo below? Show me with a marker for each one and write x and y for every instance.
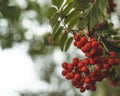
(65, 65)
(64, 72)
(75, 61)
(82, 89)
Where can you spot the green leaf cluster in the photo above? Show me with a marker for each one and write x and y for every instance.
(60, 20)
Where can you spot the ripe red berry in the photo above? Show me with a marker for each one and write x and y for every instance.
(79, 44)
(92, 74)
(86, 61)
(75, 43)
(87, 80)
(94, 44)
(80, 64)
(70, 67)
(68, 76)
(64, 65)
(111, 61)
(92, 62)
(112, 54)
(82, 89)
(87, 46)
(72, 74)
(92, 40)
(64, 72)
(83, 40)
(77, 37)
(84, 69)
(89, 55)
(106, 66)
(77, 76)
(75, 61)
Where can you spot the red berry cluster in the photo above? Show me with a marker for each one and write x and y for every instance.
(86, 72)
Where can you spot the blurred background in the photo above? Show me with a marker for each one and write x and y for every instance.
(29, 64)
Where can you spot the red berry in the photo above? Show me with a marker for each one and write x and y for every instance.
(79, 44)
(87, 80)
(82, 89)
(83, 40)
(106, 66)
(92, 62)
(93, 52)
(70, 67)
(112, 54)
(77, 76)
(92, 74)
(80, 64)
(75, 43)
(86, 61)
(92, 40)
(77, 37)
(88, 46)
(100, 51)
(75, 61)
(111, 61)
(64, 72)
(68, 76)
(94, 44)
(72, 74)
(88, 55)
(84, 69)
(64, 65)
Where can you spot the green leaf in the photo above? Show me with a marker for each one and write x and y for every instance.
(65, 11)
(53, 20)
(68, 1)
(52, 11)
(56, 26)
(97, 12)
(72, 23)
(82, 5)
(73, 15)
(57, 3)
(68, 43)
(57, 33)
(63, 40)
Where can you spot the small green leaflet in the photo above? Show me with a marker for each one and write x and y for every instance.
(68, 43)
(57, 3)
(63, 40)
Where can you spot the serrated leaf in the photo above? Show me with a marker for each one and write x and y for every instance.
(68, 43)
(53, 20)
(63, 40)
(52, 11)
(57, 3)
(73, 15)
(57, 33)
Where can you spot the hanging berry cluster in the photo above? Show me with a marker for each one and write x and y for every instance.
(95, 67)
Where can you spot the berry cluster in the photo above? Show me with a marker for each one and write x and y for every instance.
(95, 67)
